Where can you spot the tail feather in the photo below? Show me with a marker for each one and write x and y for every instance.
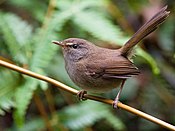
(145, 30)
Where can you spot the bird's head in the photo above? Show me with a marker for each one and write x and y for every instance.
(74, 49)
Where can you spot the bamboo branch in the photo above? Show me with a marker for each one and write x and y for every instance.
(100, 99)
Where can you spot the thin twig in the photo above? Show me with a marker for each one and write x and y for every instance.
(49, 14)
(117, 14)
(55, 122)
(50, 101)
(42, 111)
(100, 99)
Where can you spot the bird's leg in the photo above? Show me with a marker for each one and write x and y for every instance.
(118, 95)
(80, 95)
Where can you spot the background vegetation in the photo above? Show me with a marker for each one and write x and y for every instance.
(27, 28)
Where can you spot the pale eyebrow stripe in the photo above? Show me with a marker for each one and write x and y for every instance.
(68, 44)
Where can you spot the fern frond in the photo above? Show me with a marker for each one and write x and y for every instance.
(23, 96)
(77, 5)
(99, 26)
(78, 116)
(17, 35)
(85, 114)
(7, 89)
(35, 124)
(8, 36)
(44, 51)
(31, 7)
(115, 121)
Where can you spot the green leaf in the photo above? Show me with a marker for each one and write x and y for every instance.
(99, 26)
(115, 122)
(8, 35)
(86, 114)
(44, 51)
(31, 6)
(7, 89)
(78, 5)
(149, 59)
(17, 35)
(23, 97)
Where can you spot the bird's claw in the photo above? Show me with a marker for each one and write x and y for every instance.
(81, 94)
(114, 104)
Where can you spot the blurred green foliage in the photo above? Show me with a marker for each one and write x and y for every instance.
(27, 29)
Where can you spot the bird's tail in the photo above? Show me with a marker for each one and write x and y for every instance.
(145, 30)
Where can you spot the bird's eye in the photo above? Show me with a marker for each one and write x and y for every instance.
(75, 46)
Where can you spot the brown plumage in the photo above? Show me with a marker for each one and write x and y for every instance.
(98, 69)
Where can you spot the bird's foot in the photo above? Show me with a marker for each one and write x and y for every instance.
(114, 104)
(81, 94)
(116, 101)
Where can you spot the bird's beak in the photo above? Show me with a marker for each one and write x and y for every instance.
(60, 43)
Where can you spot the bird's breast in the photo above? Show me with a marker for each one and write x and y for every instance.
(80, 75)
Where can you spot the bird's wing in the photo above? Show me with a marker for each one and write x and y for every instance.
(115, 69)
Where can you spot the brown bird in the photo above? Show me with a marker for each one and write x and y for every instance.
(98, 69)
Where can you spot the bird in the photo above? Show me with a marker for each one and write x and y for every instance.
(99, 70)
